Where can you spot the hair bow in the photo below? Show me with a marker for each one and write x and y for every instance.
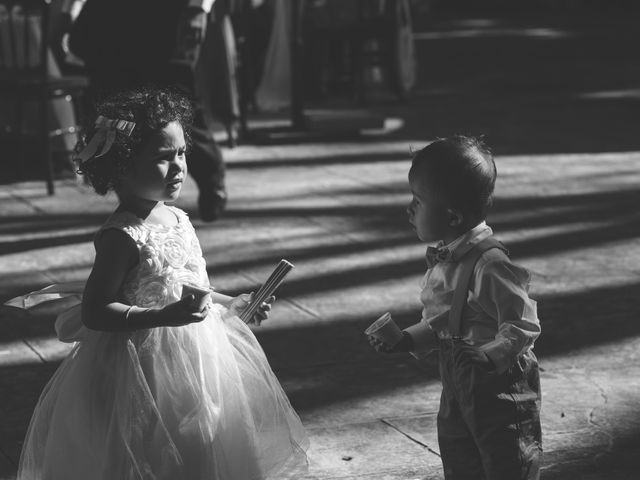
(437, 254)
(105, 136)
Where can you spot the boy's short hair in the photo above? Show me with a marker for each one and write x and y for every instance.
(151, 109)
(461, 169)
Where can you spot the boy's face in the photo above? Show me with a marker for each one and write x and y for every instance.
(428, 214)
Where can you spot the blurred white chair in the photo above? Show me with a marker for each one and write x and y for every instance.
(29, 76)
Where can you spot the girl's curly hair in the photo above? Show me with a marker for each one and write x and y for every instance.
(151, 110)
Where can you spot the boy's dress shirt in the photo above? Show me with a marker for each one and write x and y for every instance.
(499, 317)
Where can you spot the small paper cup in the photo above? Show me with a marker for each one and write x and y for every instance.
(201, 296)
(385, 330)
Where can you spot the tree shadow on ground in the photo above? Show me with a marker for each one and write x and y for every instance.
(569, 322)
(22, 224)
(615, 209)
(619, 461)
(595, 218)
(21, 386)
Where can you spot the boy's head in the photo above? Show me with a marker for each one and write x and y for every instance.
(151, 110)
(452, 182)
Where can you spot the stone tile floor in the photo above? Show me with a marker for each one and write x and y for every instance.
(555, 91)
(371, 416)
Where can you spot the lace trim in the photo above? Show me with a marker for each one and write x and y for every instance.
(169, 256)
(134, 226)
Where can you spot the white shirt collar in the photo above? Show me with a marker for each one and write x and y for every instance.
(467, 240)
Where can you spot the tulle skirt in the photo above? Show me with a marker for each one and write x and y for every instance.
(193, 402)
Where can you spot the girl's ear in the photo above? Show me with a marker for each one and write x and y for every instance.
(455, 217)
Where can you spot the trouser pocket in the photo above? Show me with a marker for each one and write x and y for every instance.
(501, 415)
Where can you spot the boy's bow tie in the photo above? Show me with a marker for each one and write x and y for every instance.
(437, 254)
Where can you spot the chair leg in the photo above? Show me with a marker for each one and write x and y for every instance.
(46, 146)
(231, 138)
(78, 104)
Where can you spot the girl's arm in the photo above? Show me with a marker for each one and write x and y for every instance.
(220, 298)
(116, 255)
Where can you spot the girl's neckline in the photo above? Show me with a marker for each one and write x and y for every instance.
(142, 221)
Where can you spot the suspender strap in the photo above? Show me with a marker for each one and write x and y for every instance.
(468, 262)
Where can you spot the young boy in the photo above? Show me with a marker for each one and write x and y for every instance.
(478, 314)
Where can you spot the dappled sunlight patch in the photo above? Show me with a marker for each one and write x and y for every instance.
(298, 154)
(490, 31)
(621, 94)
(17, 352)
(563, 173)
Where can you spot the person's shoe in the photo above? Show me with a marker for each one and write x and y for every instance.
(211, 204)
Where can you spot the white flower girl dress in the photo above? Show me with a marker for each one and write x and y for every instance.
(192, 402)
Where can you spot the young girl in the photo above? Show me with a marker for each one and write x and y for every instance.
(155, 387)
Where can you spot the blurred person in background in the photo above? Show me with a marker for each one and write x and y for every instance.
(132, 43)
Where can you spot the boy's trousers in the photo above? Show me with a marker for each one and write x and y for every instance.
(489, 423)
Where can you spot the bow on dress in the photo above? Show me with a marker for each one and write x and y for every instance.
(68, 324)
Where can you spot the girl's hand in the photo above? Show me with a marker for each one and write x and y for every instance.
(263, 311)
(239, 303)
(182, 312)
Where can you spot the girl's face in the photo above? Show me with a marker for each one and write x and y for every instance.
(428, 214)
(160, 168)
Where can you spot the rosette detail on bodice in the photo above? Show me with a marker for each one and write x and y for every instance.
(169, 256)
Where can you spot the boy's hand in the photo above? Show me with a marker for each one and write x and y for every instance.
(405, 345)
(467, 355)
(182, 312)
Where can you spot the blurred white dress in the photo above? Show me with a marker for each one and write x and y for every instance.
(192, 402)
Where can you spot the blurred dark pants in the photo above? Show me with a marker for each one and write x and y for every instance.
(489, 423)
(130, 43)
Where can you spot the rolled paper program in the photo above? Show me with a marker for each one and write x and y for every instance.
(200, 295)
(267, 289)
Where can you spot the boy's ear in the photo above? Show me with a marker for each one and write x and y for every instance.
(455, 217)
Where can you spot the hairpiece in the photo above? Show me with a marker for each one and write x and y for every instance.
(105, 136)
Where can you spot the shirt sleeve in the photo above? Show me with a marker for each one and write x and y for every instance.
(424, 336)
(501, 291)
(205, 5)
